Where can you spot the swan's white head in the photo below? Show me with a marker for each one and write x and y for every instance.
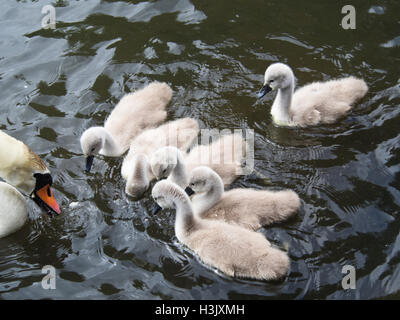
(203, 179)
(43, 195)
(34, 178)
(164, 161)
(23, 169)
(277, 76)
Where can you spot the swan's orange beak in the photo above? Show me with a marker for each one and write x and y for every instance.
(46, 196)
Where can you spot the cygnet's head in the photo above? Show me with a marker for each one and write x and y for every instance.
(92, 141)
(202, 179)
(163, 162)
(166, 193)
(277, 76)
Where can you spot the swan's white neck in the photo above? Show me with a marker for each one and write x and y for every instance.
(178, 175)
(281, 106)
(185, 220)
(18, 163)
(109, 148)
(13, 212)
(205, 201)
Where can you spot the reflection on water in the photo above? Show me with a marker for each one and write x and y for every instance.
(56, 83)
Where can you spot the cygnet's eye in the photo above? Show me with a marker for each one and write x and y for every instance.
(270, 81)
(94, 148)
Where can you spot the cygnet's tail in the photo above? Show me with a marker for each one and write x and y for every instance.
(351, 89)
(160, 90)
(273, 266)
(287, 202)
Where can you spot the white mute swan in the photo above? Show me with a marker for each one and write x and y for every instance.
(22, 168)
(135, 112)
(233, 250)
(13, 212)
(313, 104)
(248, 208)
(136, 170)
(223, 155)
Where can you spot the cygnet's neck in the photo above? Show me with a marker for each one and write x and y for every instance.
(110, 148)
(205, 201)
(185, 220)
(281, 106)
(178, 174)
(141, 169)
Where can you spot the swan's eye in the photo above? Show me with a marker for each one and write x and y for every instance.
(270, 81)
(92, 149)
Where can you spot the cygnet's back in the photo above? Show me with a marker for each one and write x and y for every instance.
(246, 207)
(223, 156)
(237, 252)
(253, 209)
(137, 111)
(326, 102)
(180, 133)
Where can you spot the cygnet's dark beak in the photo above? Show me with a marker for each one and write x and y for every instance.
(89, 162)
(264, 90)
(189, 191)
(156, 209)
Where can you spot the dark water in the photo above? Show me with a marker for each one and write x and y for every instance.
(56, 83)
